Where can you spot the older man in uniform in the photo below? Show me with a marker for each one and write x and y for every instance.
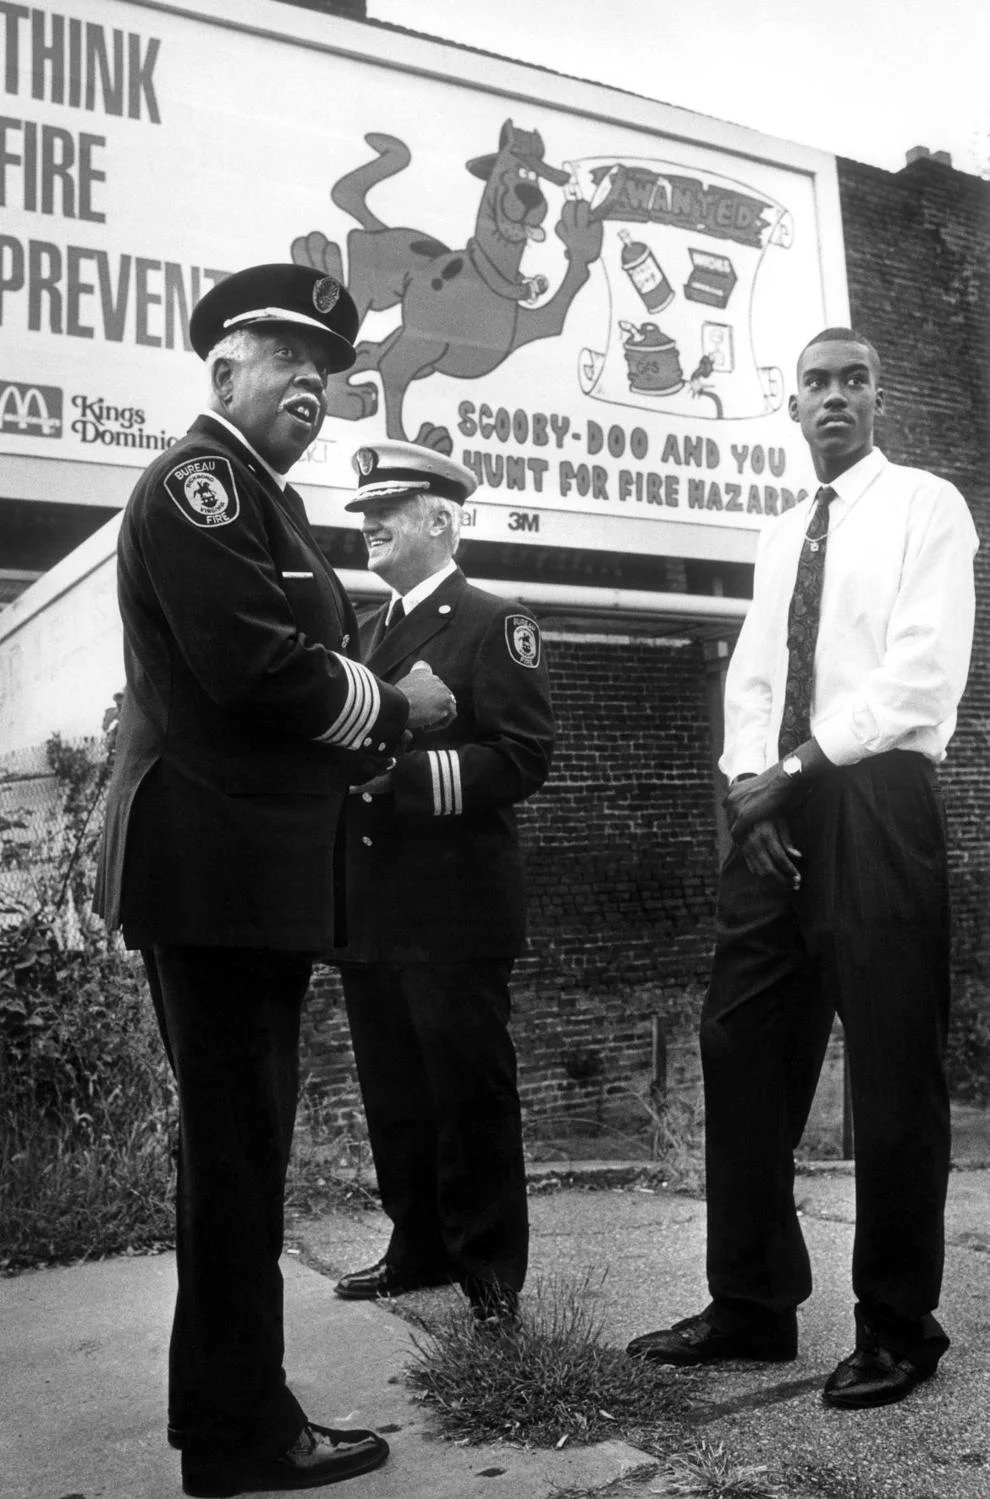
(435, 901)
(243, 712)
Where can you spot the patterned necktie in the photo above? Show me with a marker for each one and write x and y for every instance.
(802, 628)
(396, 613)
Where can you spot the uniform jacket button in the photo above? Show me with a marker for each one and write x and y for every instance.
(366, 842)
(366, 796)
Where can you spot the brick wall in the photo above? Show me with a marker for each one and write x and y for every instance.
(621, 861)
(917, 253)
(621, 843)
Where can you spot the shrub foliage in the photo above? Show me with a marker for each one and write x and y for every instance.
(86, 1098)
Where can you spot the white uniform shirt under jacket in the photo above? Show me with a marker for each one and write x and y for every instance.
(896, 622)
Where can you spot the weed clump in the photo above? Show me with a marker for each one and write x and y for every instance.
(709, 1472)
(550, 1380)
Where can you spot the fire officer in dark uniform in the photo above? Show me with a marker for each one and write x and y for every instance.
(435, 900)
(243, 710)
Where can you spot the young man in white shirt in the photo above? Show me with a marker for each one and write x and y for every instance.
(840, 700)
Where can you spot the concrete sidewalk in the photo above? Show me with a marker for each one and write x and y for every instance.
(82, 1382)
(82, 1393)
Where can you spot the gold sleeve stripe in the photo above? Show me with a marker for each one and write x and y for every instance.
(445, 774)
(455, 776)
(362, 706)
(433, 758)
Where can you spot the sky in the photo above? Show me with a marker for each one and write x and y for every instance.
(866, 79)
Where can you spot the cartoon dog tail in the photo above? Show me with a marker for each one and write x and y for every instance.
(351, 191)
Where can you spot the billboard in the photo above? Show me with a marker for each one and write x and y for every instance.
(594, 301)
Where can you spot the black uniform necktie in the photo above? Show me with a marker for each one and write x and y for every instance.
(802, 628)
(396, 613)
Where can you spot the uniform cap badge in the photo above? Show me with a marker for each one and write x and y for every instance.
(326, 294)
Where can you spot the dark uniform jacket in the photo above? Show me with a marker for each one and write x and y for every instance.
(434, 872)
(241, 713)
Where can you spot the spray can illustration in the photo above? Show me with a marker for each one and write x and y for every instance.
(643, 269)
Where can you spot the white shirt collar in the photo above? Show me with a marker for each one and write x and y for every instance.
(854, 482)
(280, 479)
(423, 590)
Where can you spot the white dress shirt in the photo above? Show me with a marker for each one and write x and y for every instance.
(896, 624)
(422, 590)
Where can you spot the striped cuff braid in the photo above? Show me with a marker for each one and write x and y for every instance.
(362, 706)
(445, 773)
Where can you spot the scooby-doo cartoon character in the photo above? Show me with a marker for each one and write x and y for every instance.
(463, 311)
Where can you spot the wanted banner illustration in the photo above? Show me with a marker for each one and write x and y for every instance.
(681, 251)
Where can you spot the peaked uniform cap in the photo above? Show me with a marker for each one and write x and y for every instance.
(295, 294)
(398, 470)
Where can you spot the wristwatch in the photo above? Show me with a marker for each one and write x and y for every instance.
(791, 766)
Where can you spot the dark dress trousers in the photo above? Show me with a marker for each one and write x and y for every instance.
(435, 918)
(241, 717)
(867, 936)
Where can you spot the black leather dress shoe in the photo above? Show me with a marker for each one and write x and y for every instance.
(872, 1376)
(696, 1340)
(383, 1279)
(318, 1456)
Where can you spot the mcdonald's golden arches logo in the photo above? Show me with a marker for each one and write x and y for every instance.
(30, 410)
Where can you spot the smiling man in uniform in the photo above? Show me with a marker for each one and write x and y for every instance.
(841, 697)
(436, 905)
(244, 708)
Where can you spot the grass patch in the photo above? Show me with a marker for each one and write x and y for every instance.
(67, 1196)
(709, 1472)
(330, 1166)
(825, 1481)
(551, 1381)
(678, 1139)
(667, 1135)
(703, 1471)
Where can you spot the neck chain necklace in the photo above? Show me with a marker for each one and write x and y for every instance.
(815, 544)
